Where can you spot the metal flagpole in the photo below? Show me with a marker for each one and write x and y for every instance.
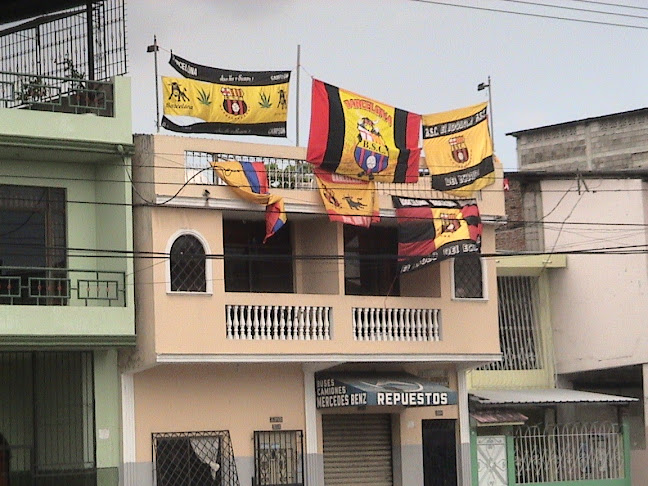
(480, 87)
(297, 98)
(154, 49)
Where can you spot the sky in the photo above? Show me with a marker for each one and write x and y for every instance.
(418, 55)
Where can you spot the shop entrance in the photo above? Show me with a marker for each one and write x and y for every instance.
(357, 449)
(439, 453)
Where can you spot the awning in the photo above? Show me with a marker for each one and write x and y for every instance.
(339, 389)
(486, 418)
(544, 396)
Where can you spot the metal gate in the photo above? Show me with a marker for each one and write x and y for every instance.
(47, 417)
(278, 458)
(491, 461)
(357, 449)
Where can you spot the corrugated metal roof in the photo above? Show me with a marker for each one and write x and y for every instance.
(545, 396)
(498, 417)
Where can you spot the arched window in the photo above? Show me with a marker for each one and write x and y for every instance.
(188, 265)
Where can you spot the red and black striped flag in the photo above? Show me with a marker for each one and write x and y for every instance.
(358, 137)
(431, 230)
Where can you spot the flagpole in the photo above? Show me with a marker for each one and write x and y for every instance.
(154, 48)
(481, 86)
(297, 100)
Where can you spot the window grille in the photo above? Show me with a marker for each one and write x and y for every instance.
(468, 277)
(191, 458)
(518, 324)
(188, 263)
(47, 417)
(278, 458)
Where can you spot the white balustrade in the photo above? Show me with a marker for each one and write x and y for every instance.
(278, 322)
(381, 324)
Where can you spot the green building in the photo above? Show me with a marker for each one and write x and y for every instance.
(66, 269)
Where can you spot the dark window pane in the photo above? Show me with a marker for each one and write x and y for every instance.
(188, 265)
(370, 266)
(468, 280)
(254, 266)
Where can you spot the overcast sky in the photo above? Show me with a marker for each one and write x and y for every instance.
(422, 57)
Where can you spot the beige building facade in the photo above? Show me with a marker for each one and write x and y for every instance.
(307, 360)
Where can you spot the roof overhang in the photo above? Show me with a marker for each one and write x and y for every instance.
(544, 396)
(493, 418)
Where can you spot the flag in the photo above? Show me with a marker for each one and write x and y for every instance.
(212, 100)
(431, 230)
(249, 180)
(347, 200)
(356, 136)
(458, 150)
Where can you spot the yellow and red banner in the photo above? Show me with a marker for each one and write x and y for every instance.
(431, 230)
(347, 200)
(249, 180)
(459, 150)
(356, 136)
(213, 100)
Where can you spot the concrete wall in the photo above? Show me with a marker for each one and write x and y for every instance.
(617, 141)
(598, 304)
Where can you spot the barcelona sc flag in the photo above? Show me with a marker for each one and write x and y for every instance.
(249, 180)
(212, 100)
(347, 200)
(356, 136)
(459, 150)
(431, 230)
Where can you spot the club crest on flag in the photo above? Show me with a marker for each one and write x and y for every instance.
(371, 153)
(459, 150)
(449, 223)
(233, 102)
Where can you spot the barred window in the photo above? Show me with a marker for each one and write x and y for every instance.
(278, 458)
(468, 277)
(188, 458)
(519, 326)
(188, 262)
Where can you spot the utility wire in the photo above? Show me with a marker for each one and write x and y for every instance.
(576, 9)
(594, 2)
(526, 14)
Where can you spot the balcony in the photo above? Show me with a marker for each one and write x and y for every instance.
(56, 94)
(60, 287)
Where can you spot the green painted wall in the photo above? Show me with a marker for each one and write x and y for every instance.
(88, 127)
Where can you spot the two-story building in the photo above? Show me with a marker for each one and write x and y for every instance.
(66, 268)
(304, 360)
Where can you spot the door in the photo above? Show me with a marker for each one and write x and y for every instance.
(439, 453)
(491, 460)
(357, 450)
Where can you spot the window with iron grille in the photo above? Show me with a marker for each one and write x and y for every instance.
(468, 277)
(278, 458)
(518, 324)
(194, 458)
(187, 265)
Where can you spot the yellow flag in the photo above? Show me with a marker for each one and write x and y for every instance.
(459, 150)
(224, 109)
(347, 200)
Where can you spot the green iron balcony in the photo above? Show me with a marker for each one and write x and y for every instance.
(59, 287)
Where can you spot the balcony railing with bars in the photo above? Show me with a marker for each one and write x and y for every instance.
(59, 286)
(57, 94)
(285, 173)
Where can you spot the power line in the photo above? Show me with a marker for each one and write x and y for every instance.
(527, 14)
(576, 9)
(594, 2)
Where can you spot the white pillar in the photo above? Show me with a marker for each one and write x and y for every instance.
(314, 474)
(465, 472)
(128, 475)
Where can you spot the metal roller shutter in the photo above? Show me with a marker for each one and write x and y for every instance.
(357, 450)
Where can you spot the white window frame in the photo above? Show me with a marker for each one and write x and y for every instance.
(484, 270)
(209, 287)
